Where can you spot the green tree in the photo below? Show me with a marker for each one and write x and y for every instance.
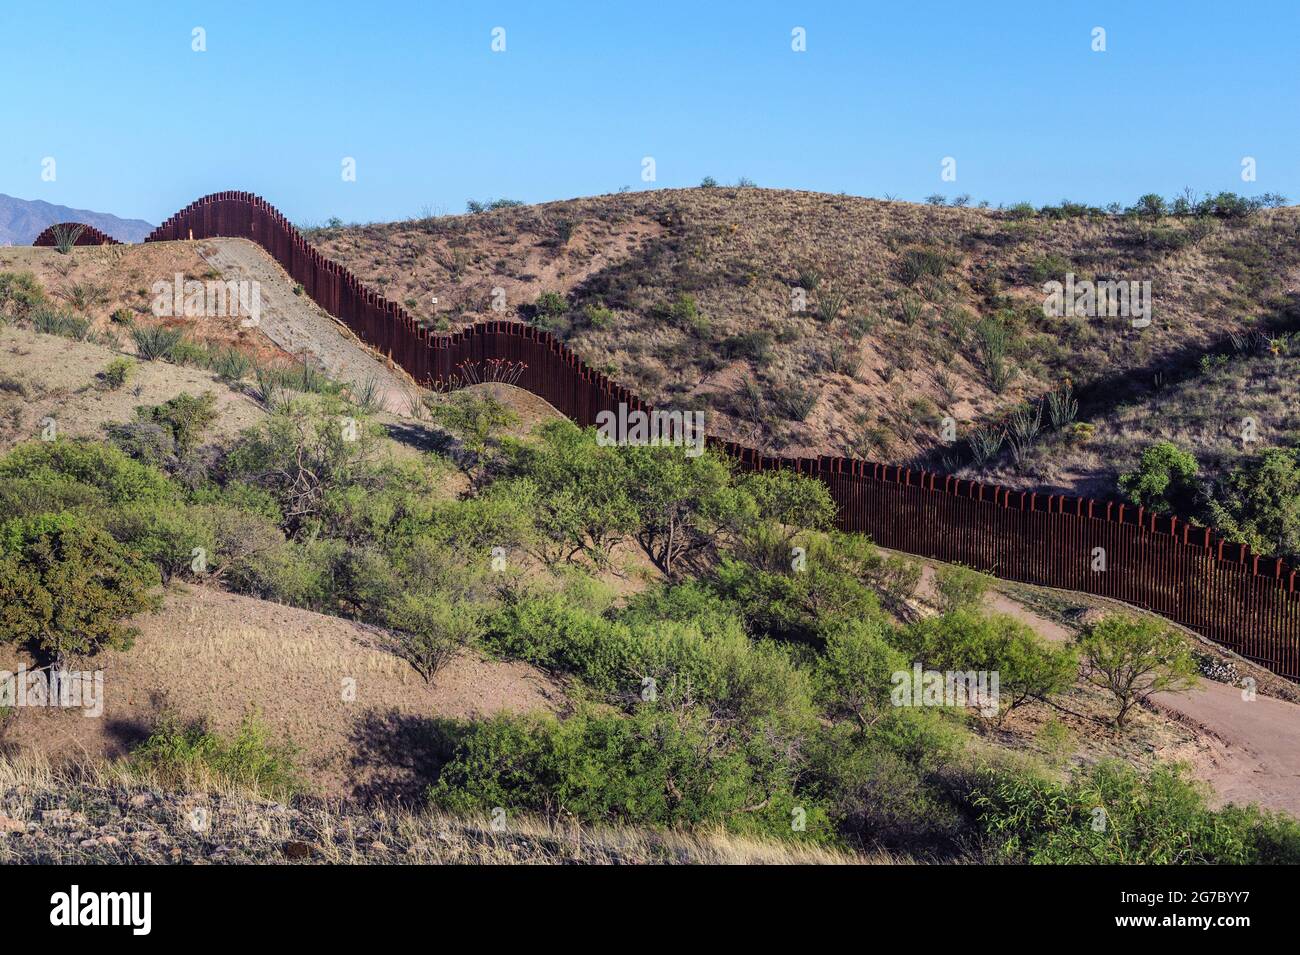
(432, 629)
(1134, 657)
(681, 501)
(855, 672)
(581, 494)
(1164, 480)
(479, 422)
(305, 450)
(792, 501)
(66, 586)
(1027, 666)
(1260, 503)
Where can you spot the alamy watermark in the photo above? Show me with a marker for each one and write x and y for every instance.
(211, 299)
(55, 689)
(977, 689)
(654, 428)
(1108, 299)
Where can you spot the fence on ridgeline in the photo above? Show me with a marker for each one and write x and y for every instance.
(1191, 575)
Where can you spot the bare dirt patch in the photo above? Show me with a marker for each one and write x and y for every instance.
(50, 377)
(215, 656)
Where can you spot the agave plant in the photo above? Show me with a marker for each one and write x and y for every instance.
(1026, 424)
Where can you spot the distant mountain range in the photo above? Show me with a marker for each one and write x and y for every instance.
(22, 220)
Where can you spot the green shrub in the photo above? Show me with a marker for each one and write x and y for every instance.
(1111, 814)
(117, 372)
(66, 586)
(752, 346)
(805, 605)
(1164, 480)
(185, 418)
(683, 313)
(107, 470)
(166, 536)
(192, 756)
(580, 495)
(653, 768)
(550, 306)
(599, 318)
(995, 343)
(961, 588)
(20, 292)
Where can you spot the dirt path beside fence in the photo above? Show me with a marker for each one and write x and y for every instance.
(303, 328)
(1259, 757)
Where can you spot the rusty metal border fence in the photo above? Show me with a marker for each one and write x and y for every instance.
(1186, 573)
(89, 235)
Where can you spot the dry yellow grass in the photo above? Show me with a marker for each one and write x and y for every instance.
(363, 722)
(98, 812)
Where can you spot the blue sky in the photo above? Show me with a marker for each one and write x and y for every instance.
(139, 124)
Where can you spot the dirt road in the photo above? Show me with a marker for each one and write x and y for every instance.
(1259, 757)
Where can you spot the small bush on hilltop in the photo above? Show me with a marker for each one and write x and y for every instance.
(117, 372)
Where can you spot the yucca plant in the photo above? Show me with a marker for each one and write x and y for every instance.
(1025, 427)
(66, 235)
(52, 321)
(984, 444)
(269, 390)
(153, 341)
(231, 364)
(368, 396)
(1062, 408)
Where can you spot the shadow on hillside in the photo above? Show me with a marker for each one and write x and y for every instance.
(1175, 366)
(397, 756)
(420, 437)
(125, 735)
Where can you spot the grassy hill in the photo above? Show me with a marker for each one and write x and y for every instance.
(910, 313)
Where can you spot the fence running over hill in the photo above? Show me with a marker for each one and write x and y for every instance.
(1163, 564)
(89, 235)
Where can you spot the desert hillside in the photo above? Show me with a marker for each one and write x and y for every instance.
(468, 606)
(812, 323)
